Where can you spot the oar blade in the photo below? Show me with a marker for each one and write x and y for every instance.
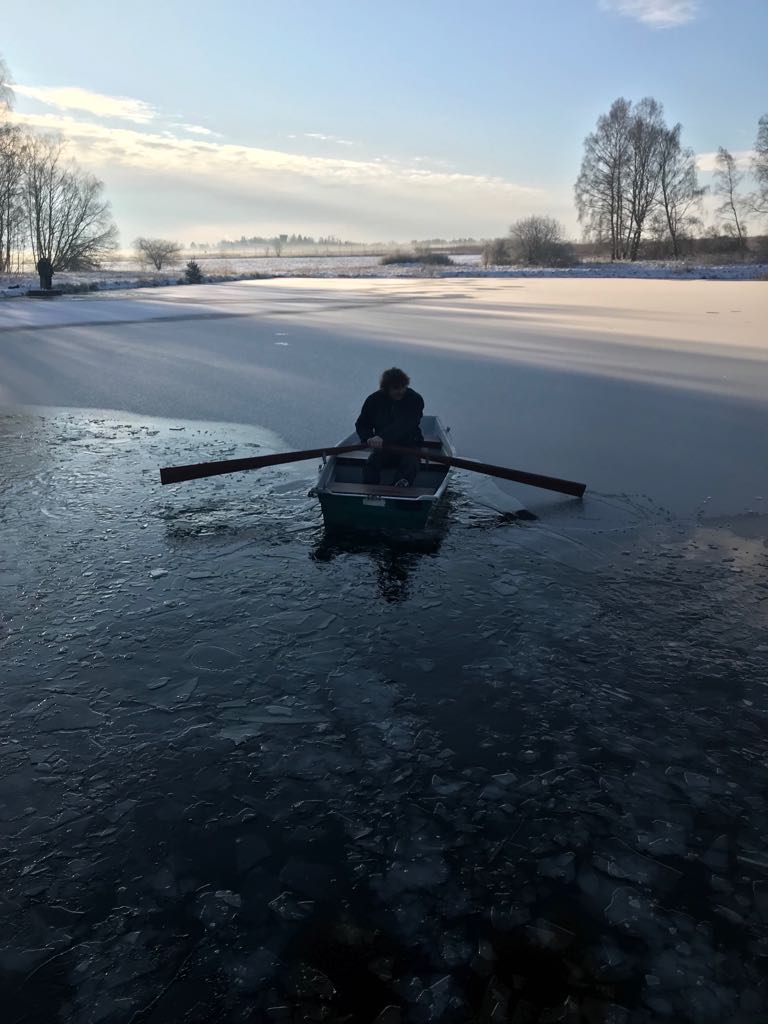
(519, 476)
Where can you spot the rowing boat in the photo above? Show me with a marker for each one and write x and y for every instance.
(348, 503)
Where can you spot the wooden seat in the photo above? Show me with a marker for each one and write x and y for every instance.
(380, 491)
(429, 442)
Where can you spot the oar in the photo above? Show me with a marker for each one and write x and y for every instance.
(547, 483)
(198, 470)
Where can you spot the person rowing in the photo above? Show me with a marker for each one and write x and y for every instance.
(391, 415)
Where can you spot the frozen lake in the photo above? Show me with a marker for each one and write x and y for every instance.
(514, 771)
(643, 387)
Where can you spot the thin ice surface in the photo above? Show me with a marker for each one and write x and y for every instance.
(635, 387)
(512, 771)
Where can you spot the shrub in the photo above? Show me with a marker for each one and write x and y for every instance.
(192, 273)
(395, 258)
(716, 244)
(422, 256)
(540, 241)
(157, 252)
(496, 253)
(759, 249)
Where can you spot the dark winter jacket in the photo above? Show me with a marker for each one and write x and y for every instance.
(394, 422)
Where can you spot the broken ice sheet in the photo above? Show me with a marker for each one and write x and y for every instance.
(617, 859)
(63, 712)
(291, 907)
(316, 756)
(549, 935)
(212, 658)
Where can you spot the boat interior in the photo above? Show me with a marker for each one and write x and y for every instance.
(347, 476)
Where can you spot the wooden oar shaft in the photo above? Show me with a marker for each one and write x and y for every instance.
(198, 470)
(547, 483)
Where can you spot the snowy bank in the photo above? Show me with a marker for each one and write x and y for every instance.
(225, 269)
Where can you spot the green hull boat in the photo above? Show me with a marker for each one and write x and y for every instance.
(347, 503)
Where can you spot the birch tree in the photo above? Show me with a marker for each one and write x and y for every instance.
(601, 186)
(645, 135)
(634, 168)
(728, 179)
(6, 92)
(12, 227)
(679, 190)
(760, 167)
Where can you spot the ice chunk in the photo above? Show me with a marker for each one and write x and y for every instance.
(314, 880)
(212, 658)
(248, 975)
(289, 907)
(250, 850)
(446, 788)
(760, 890)
(618, 860)
(63, 713)
(548, 935)
(389, 1015)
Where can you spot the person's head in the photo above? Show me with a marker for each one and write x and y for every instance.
(394, 382)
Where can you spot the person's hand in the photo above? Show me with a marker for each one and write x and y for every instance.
(375, 441)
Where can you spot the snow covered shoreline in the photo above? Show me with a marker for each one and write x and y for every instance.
(229, 270)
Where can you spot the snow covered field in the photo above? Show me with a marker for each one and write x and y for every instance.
(123, 274)
(512, 771)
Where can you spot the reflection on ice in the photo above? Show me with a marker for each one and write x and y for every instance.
(510, 771)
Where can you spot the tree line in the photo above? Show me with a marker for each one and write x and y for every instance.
(638, 194)
(638, 181)
(48, 205)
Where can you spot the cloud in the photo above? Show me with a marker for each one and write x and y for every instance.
(707, 162)
(164, 152)
(73, 98)
(320, 137)
(194, 129)
(655, 13)
(381, 195)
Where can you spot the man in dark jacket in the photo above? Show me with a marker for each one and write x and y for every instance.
(391, 415)
(45, 270)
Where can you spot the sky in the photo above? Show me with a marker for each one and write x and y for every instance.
(366, 120)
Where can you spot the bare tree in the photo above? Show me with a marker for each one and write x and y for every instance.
(12, 224)
(728, 179)
(68, 220)
(538, 240)
(277, 245)
(679, 191)
(10, 174)
(760, 167)
(645, 134)
(632, 165)
(6, 92)
(601, 186)
(157, 251)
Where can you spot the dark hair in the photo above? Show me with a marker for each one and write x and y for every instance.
(394, 378)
